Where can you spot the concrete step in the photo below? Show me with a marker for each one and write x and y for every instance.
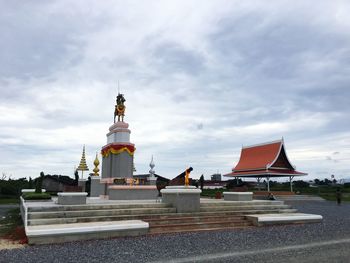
(300, 198)
(194, 226)
(84, 231)
(148, 217)
(159, 232)
(156, 218)
(154, 231)
(59, 208)
(193, 219)
(239, 203)
(94, 213)
(242, 208)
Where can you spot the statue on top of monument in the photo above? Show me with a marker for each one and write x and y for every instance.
(119, 108)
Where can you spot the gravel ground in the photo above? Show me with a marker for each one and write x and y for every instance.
(288, 243)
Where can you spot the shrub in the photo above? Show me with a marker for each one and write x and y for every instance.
(39, 183)
(347, 185)
(36, 196)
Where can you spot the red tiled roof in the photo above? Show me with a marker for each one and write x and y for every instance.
(258, 157)
(268, 159)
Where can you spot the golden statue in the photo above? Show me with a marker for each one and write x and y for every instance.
(120, 108)
(187, 176)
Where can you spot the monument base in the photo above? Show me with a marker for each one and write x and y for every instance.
(184, 199)
(132, 192)
(97, 188)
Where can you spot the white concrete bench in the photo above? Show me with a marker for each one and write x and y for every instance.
(45, 234)
(238, 196)
(283, 218)
(72, 198)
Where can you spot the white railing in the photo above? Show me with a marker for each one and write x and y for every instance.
(24, 213)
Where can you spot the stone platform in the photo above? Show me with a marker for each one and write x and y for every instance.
(47, 222)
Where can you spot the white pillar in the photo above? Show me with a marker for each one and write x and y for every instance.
(268, 184)
(290, 181)
(258, 179)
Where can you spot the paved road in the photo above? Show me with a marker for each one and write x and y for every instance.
(328, 241)
(326, 251)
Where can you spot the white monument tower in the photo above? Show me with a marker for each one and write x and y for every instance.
(118, 153)
(117, 182)
(152, 176)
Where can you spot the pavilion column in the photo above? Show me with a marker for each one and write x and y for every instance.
(290, 181)
(258, 178)
(268, 184)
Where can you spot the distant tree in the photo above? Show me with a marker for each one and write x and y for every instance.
(347, 185)
(39, 183)
(233, 183)
(301, 184)
(273, 183)
(30, 183)
(201, 181)
(317, 181)
(327, 181)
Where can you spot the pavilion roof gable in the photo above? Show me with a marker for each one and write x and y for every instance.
(263, 156)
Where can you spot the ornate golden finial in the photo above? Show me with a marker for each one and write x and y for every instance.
(96, 163)
(82, 165)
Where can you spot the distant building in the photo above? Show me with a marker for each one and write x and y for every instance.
(57, 183)
(214, 184)
(215, 177)
(266, 160)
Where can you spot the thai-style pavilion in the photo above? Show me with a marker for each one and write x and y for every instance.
(266, 160)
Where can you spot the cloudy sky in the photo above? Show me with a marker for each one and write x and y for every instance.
(201, 79)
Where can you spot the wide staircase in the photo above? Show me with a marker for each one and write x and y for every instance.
(213, 215)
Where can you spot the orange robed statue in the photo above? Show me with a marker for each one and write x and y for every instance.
(187, 176)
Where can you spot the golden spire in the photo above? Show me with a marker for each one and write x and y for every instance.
(96, 163)
(82, 165)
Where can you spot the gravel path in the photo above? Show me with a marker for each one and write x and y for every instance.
(254, 244)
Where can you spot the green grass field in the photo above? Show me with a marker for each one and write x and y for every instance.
(9, 201)
(326, 192)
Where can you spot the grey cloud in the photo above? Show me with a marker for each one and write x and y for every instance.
(171, 58)
(37, 40)
(254, 69)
